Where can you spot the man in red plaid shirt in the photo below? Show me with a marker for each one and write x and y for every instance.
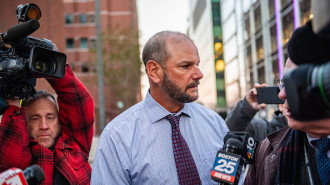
(57, 138)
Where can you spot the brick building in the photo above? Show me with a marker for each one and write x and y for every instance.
(71, 25)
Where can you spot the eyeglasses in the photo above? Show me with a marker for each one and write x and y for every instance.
(280, 83)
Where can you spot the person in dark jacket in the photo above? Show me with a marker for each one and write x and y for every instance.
(287, 156)
(241, 118)
(300, 153)
(58, 138)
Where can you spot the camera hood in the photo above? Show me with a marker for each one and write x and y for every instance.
(46, 63)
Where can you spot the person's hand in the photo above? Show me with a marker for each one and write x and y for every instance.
(13, 101)
(252, 98)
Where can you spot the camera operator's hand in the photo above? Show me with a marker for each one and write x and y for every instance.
(252, 98)
(13, 101)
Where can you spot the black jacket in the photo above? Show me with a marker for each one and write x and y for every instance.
(241, 119)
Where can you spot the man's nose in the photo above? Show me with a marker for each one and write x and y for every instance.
(197, 74)
(282, 94)
(44, 125)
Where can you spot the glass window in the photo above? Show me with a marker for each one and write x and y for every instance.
(83, 18)
(216, 13)
(257, 18)
(83, 43)
(305, 8)
(85, 68)
(276, 73)
(251, 79)
(221, 101)
(273, 38)
(249, 54)
(91, 18)
(69, 43)
(93, 43)
(68, 19)
(220, 84)
(260, 48)
(288, 27)
(285, 3)
(271, 8)
(261, 73)
(247, 32)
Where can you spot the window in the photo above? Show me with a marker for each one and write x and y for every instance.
(276, 73)
(84, 68)
(251, 78)
(93, 43)
(257, 18)
(261, 73)
(247, 32)
(91, 18)
(83, 18)
(83, 43)
(288, 27)
(260, 49)
(249, 54)
(216, 13)
(273, 38)
(68, 19)
(305, 8)
(69, 43)
(271, 8)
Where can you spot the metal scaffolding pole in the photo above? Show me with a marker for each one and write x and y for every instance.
(99, 63)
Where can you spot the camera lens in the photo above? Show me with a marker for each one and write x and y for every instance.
(41, 67)
(44, 65)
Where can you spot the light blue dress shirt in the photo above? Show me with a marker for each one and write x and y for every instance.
(136, 147)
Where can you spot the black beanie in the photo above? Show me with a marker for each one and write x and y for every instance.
(306, 47)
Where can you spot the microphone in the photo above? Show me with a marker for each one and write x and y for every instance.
(21, 30)
(250, 144)
(30, 176)
(228, 164)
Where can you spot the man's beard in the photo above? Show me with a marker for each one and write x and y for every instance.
(175, 92)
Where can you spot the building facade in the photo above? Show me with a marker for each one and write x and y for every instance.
(255, 34)
(247, 45)
(205, 30)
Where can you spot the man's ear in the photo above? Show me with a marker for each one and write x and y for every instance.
(155, 71)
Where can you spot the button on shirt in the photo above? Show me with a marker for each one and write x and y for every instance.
(136, 147)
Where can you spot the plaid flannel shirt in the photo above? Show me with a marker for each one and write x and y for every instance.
(70, 156)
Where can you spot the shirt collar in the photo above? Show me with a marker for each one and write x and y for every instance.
(311, 139)
(157, 112)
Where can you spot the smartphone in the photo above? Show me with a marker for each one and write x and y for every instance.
(269, 95)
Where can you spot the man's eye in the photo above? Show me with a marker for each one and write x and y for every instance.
(51, 118)
(185, 66)
(34, 119)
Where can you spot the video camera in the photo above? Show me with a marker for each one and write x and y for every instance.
(308, 86)
(24, 58)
